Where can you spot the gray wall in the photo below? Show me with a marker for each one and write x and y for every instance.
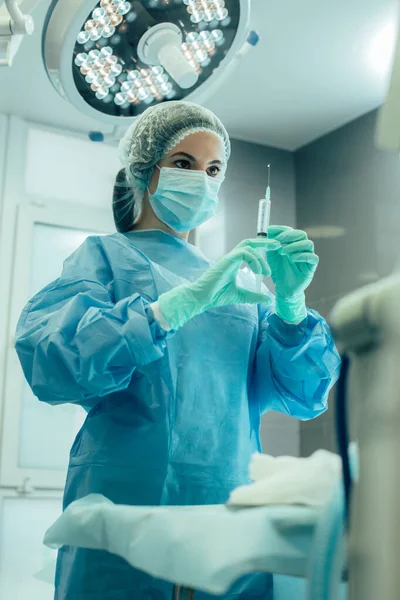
(244, 186)
(344, 181)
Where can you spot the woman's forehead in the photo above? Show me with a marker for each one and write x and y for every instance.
(202, 144)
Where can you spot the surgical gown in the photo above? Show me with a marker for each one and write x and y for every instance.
(173, 418)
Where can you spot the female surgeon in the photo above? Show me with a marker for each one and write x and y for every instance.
(173, 362)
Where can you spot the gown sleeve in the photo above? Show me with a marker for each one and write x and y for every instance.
(75, 344)
(296, 365)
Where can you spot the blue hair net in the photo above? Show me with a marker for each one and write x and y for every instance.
(150, 137)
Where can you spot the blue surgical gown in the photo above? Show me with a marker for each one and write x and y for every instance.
(172, 417)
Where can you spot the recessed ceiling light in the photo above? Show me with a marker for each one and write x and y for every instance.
(323, 232)
(382, 47)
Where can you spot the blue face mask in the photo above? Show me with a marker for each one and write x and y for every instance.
(185, 199)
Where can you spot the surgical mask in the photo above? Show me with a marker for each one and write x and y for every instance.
(185, 199)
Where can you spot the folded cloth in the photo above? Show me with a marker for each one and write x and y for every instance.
(206, 548)
(289, 480)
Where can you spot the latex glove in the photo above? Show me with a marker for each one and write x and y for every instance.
(292, 269)
(218, 287)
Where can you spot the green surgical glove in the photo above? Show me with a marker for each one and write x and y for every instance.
(292, 269)
(218, 287)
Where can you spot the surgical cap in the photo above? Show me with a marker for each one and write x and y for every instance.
(150, 137)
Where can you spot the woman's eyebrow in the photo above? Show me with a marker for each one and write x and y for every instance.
(193, 159)
(185, 154)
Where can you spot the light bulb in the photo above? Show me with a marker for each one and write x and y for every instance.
(205, 35)
(133, 75)
(165, 88)
(93, 56)
(209, 15)
(95, 86)
(89, 25)
(143, 93)
(124, 8)
(218, 36)
(106, 51)
(131, 96)
(116, 19)
(95, 34)
(120, 99)
(201, 56)
(116, 69)
(83, 37)
(109, 80)
(104, 71)
(108, 31)
(126, 86)
(102, 93)
(197, 17)
(222, 13)
(209, 46)
(91, 76)
(111, 60)
(81, 59)
(98, 13)
(192, 37)
(103, 21)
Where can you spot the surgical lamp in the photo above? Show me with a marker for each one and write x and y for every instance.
(112, 59)
(14, 25)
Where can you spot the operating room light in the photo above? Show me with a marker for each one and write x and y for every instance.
(113, 58)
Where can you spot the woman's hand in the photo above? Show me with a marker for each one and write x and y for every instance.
(292, 266)
(218, 287)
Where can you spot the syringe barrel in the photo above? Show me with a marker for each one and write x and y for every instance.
(264, 213)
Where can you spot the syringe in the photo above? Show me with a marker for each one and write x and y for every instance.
(264, 213)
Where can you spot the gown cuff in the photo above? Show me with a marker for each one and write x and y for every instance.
(287, 334)
(155, 307)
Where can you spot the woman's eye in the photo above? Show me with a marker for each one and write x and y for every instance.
(213, 171)
(182, 164)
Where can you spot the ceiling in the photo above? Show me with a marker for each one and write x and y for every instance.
(318, 65)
